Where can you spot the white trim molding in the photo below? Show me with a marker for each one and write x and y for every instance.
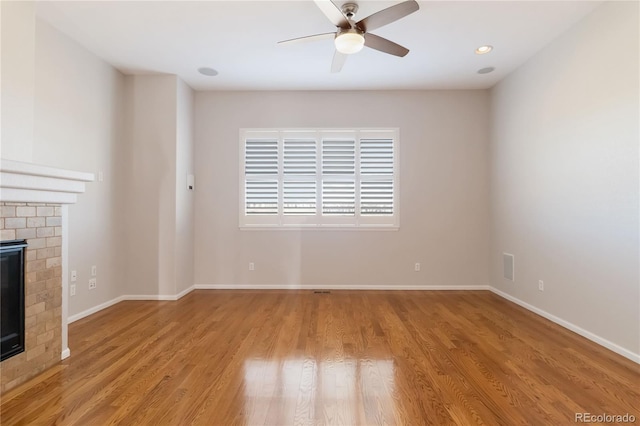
(418, 287)
(32, 183)
(66, 353)
(185, 292)
(64, 320)
(570, 326)
(97, 308)
(119, 299)
(161, 297)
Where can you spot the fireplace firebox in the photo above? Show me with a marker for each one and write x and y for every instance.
(12, 298)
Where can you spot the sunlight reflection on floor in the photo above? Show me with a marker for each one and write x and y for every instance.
(303, 391)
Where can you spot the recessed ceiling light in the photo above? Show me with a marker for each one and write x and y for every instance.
(210, 72)
(486, 70)
(484, 49)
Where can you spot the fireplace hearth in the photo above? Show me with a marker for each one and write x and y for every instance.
(12, 312)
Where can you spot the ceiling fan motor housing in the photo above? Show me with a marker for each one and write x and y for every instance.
(349, 10)
(355, 30)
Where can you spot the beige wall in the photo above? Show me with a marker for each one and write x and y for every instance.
(184, 197)
(78, 124)
(564, 179)
(17, 79)
(150, 172)
(443, 192)
(158, 208)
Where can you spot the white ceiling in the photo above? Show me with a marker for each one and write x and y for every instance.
(238, 38)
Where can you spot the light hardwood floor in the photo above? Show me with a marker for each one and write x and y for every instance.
(350, 358)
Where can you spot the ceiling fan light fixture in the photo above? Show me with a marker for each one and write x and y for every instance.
(349, 42)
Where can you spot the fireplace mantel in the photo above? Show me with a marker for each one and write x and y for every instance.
(31, 183)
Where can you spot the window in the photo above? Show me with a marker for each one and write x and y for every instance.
(319, 179)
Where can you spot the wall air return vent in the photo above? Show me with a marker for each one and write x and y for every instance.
(508, 266)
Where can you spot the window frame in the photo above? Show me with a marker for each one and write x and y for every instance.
(319, 221)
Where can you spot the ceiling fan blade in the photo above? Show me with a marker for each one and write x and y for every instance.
(338, 61)
(308, 38)
(382, 44)
(388, 15)
(332, 12)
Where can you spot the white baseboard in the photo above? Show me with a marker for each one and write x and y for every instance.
(169, 297)
(65, 354)
(336, 287)
(118, 299)
(157, 297)
(570, 326)
(86, 313)
(185, 292)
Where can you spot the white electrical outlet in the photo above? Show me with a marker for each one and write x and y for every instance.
(252, 267)
(74, 276)
(92, 284)
(72, 289)
(94, 270)
(416, 267)
(540, 285)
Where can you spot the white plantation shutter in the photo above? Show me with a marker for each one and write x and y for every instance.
(300, 157)
(319, 178)
(338, 177)
(299, 197)
(376, 177)
(338, 198)
(261, 176)
(300, 170)
(261, 157)
(376, 157)
(338, 157)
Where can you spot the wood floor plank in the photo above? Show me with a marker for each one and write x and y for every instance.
(339, 358)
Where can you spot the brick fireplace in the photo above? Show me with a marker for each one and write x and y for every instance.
(33, 202)
(41, 225)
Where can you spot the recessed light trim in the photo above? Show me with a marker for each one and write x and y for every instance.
(209, 72)
(484, 49)
(486, 70)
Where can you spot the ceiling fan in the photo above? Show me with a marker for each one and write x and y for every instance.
(352, 36)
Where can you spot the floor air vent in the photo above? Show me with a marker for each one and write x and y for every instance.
(321, 292)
